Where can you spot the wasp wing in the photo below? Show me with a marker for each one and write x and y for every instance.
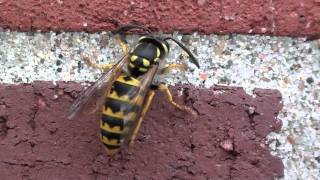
(140, 100)
(93, 96)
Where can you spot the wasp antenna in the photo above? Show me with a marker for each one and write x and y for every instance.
(193, 59)
(128, 27)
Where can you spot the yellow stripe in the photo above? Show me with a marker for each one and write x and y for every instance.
(137, 100)
(131, 65)
(143, 69)
(132, 82)
(110, 142)
(124, 98)
(133, 58)
(166, 50)
(107, 111)
(145, 62)
(115, 129)
(158, 52)
(143, 37)
(129, 117)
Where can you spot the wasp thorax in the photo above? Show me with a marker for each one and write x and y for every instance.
(148, 51)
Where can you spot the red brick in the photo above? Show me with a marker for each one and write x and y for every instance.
(232, 16)
(38, 142)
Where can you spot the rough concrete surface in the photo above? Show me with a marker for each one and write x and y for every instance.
(226, 140)
(277, 17)
(290, 65)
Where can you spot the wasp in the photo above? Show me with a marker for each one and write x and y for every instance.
(125, 90)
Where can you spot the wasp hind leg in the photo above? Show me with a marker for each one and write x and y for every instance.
(143, 113)
(170, 67)
(163, 88)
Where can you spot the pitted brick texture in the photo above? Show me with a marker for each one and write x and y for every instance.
(275, 17)
(225, 141)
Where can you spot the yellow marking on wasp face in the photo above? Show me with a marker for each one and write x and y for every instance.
(132, 81)
(166, 50)
(131, 65)
(143, 69)
(108, 111)
(133, 58)
(145, 62)
(110, 142)
(158, 52)
(124, 98)
(115, 129)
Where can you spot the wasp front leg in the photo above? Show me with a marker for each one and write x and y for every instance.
(163, 88)
(121, 41)
(170, 67)
(105, 67)
(143, 113)
(102, 67)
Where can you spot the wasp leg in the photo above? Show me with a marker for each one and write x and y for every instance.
(102, 67)
(143, 113)
(121, 40)
(170, 67)
(163, 88)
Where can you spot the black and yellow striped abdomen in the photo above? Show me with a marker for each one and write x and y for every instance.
(119, 112)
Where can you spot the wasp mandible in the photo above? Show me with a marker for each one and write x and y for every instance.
(125, 91)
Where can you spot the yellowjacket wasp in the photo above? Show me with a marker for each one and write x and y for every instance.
(125, 91)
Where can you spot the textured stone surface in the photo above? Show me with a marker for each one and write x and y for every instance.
(293, 18)
(226, 139)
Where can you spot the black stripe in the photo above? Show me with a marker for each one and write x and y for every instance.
(111, 135)
(112, 121)
(117, 106)
(123, 89)
(108, 146)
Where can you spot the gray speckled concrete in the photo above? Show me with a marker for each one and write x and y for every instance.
(289, 65)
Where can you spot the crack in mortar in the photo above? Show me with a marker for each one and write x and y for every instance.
(32, 164)
(15, 164)
(272, 8)
(35, 109)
